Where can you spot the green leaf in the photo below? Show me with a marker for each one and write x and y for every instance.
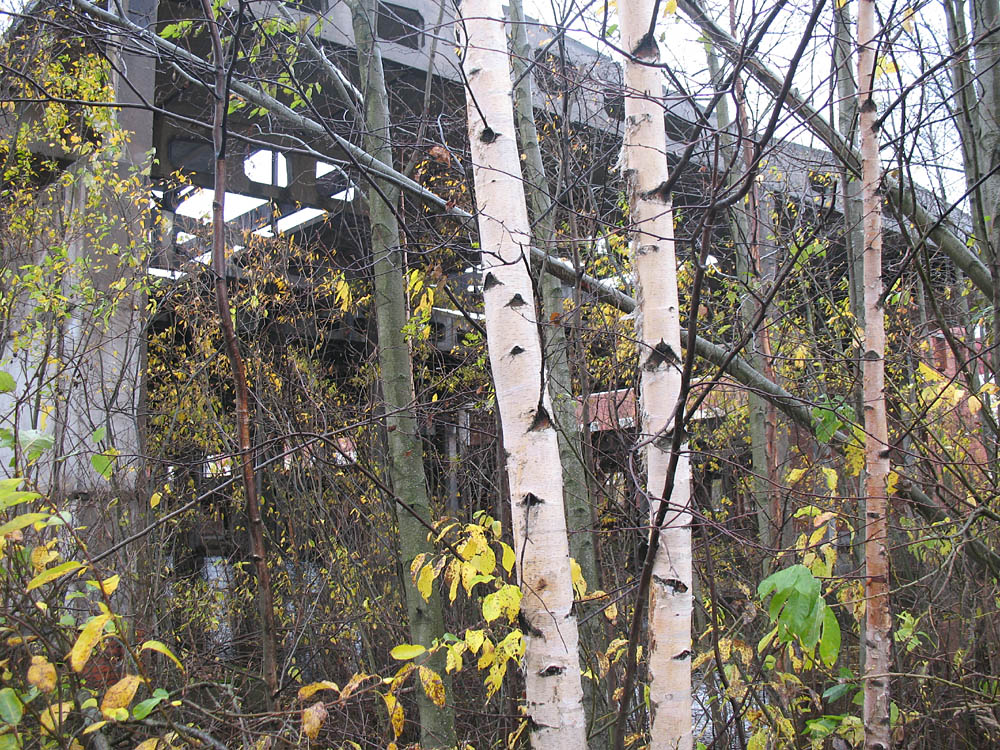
(829, 645)
(34, 442)
(144, 708)
(11, 709)
(838, 691)
(98, 434)
(9, 742)
(102, 464)
(7, 383)
(52, 574)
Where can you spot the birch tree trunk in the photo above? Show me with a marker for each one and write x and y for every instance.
(552, 669)
(658, 332)
(877, 618)
(576, 492)
(406, 457)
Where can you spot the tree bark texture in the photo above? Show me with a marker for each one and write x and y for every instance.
(576, 492)
(877, 617)
(658, 333)
(552, 669)
(406, 457)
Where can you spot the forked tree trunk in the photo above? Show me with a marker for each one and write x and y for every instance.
(877, 619)
(406, 457)
(552, 668)
(658, 332)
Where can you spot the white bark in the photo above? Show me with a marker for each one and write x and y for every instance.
(658, 332)
(878, 621)
(552, 671)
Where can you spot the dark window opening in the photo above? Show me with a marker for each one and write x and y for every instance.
(400, 25)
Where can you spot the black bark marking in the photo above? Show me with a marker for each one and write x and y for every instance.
(490, 281)
(516, 350)
(516, 301)
(677, 586)
(682, 655)
(551, 671)
(662, 353)
(531, 499)
(647, 49)
(488, 135)
(541, 421)
(527, 627)
(661, 193)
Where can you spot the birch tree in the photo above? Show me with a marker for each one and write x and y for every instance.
(551, 663)
(878, 621)
(658, 334)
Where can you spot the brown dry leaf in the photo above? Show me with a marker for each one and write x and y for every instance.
(441, 155)
(313, 718)
(120, 695)
(42, 674)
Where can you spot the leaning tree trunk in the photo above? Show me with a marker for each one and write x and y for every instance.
(552, 667)
(877, 619)
(406, 462)
(658, 332)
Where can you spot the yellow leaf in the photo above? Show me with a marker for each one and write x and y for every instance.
(611, 612)
(407, 651)
(453, 660)
(120, 695)
(154, 500)
(425, 581)
(52, 718)
(491, 607)
(160, 648)
(670, 8)
(108, 585)
(395, 713)
(794, 475)
(313, 718)
(508, 557)
(94, 727)
(42, 674)
(307, 691)
(974, 405)
(831, 479)
(152, 744)
(52, 574)
(452, 575)
(433, 686)
(89, 637)
(579, 584)
(908, 19)
(486, 561)
(474, 639)
(890, 482)
(42, 556)
(415, 565)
